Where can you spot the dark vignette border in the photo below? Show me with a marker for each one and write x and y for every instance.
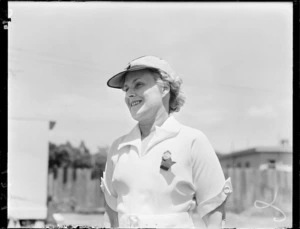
(296, 115)
(4, 103)
(4, 20)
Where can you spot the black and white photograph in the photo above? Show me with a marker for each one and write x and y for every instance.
(150, 114)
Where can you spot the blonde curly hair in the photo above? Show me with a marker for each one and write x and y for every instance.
(177, 98)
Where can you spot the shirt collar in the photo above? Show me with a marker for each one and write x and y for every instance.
(170, 128)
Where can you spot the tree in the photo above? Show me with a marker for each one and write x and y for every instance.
(65, 155)
(58, 156)
(99, 161)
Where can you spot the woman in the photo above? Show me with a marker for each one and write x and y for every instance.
(155, 173)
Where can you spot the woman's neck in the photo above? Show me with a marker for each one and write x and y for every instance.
(147, 126)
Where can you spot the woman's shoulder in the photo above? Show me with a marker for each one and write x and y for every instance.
(118, 141)
(192, 132)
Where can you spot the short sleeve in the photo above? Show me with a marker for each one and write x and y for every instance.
(211, 187)
(106, 182)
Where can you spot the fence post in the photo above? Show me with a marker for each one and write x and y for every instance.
(50, 184)
(59, 185)
(64, 186)
(239, 197)
(289, 185)
(230, 204)
(79, 189)
(270, 187)
(89, 194)
(251, 184)
(101, 196)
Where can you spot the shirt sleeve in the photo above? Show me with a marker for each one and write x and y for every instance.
(211, 187)
(106, 182)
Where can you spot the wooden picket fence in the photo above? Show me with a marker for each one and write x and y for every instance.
(75, 190)
(250, 185)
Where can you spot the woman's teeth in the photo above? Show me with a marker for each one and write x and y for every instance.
(135, 103)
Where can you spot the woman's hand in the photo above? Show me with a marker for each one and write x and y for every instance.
(113, 216)
(213, 220)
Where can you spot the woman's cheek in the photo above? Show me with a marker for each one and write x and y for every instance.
(126, 102)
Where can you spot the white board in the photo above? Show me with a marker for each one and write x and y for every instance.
(27, 168)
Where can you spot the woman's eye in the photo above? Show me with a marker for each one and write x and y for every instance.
(138, 85)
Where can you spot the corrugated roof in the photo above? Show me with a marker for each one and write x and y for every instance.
(261, 149)
(286, 149)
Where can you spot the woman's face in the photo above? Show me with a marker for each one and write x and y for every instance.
(143, 97)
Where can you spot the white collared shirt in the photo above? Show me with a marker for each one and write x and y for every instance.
(135, 184)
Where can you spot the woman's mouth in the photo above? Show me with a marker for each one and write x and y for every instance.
(135, 103)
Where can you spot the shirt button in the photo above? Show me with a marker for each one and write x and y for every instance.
(227, 190)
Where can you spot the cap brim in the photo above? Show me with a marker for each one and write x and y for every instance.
(117, 80)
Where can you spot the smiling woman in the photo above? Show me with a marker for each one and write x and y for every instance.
(144, 97)
(155, 173)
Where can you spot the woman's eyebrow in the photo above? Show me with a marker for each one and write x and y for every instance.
(133, 81)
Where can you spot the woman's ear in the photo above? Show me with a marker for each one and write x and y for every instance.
(165, 90)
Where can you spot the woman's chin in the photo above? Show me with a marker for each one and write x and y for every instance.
(138, 116)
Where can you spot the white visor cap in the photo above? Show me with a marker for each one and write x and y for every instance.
(144, 62)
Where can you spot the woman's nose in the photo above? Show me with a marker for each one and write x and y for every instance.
(130, 93)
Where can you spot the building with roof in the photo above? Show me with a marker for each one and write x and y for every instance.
(258, 157)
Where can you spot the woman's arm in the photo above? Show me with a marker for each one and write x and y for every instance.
(211, 187)
(213, 219)
(113, 216)
(107, 188)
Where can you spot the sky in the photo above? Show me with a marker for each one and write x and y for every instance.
(235, 60)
